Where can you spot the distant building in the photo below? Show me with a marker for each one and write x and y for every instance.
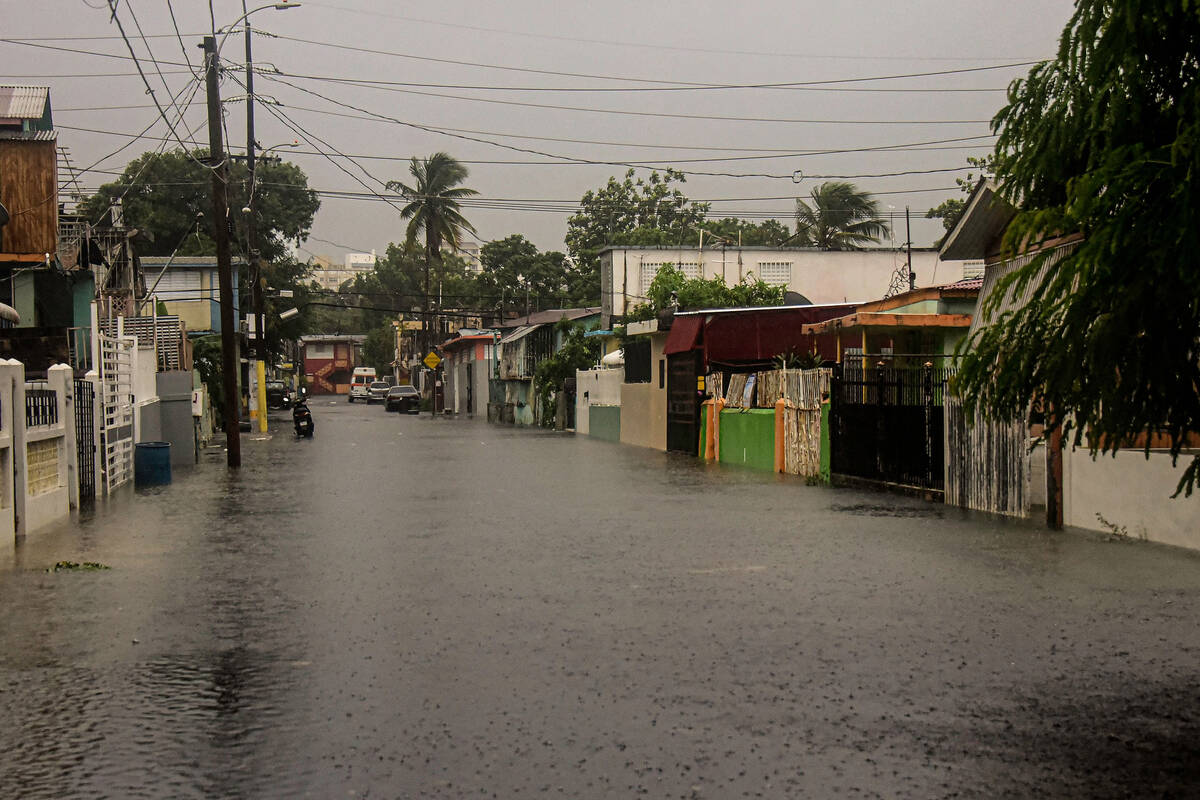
(469, 252)
(331, 276)
(329, 361)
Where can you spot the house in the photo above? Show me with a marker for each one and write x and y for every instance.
(810, 275)
(1129, 490)
(329, 361)
(188, 286)
(912, 328)
(468, 367)
(524, 342)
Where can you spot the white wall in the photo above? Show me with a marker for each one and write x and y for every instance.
(595, 387)
(820, 275)
(1130, 492)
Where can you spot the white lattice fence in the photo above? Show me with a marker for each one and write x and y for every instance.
(116, 392)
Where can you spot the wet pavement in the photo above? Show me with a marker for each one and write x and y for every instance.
(409, 607)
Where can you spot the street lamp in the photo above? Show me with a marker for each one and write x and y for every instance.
(220, 183)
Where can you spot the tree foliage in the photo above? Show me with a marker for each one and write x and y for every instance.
(515, 275)
(651, 211)
(167, 194)
(577, 352)
(671, 287)
(1103, 141)
(840, 217)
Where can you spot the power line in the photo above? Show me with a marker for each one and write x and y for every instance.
(627, 112)
(628, 79)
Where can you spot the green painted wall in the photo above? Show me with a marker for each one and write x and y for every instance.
(82, 295)
(748, 437)
(605, 423)
(703, 430)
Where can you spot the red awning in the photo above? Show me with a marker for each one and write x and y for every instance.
(684, 335)
(762, 334)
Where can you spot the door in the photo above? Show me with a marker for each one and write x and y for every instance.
(684, 397)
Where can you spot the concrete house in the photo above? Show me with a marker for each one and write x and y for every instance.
(188, 287)
(524, 342)
(816, 276)
(469, 365)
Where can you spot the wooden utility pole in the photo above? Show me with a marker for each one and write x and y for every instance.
(259, 347)
(220, 205)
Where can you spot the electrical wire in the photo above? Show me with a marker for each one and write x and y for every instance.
(278, 76)
(628, 79)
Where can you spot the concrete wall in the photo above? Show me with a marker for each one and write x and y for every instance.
(644, 414)
(178, 426)
(604, 422)
(1130, 492)
(595, 387)
(748, 437)
(821, 276)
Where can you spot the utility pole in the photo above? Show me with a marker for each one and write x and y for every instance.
(220, 204)
(912, 278)
(255, 266)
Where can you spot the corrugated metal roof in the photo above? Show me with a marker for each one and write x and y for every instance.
(23, 102)
(29, 136)
(519, 333)
(982, 223)
(551, 315)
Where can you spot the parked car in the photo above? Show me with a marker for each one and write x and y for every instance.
(377, 391)
(404, 398)
(277, 395)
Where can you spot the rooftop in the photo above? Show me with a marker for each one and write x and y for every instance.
(23, 102)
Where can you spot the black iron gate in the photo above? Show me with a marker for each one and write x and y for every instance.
(85, 438)
(887, 424)
(683, 402)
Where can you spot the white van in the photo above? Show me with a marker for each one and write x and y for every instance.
(361, 382)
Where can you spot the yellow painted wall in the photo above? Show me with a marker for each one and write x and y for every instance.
(644, 405)
(195, 315)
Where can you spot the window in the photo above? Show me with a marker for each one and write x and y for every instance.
(775, 273)
(315, 350)
(637, 360)
(690, 270)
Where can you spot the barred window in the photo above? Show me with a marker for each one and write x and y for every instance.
(775, 273)
(690, 270)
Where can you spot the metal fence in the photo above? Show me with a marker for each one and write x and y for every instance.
(887, 425)
(41, 405)
(85, 429)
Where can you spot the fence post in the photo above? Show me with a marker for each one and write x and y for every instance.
(61, 378)
(11, 375)
(927, 385)
(16, 373)
(779, 435)
(93, 377)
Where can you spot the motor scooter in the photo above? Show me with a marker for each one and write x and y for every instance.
(301, 416)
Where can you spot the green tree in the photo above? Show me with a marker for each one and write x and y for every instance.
(651, 211)
(577, 352)
(1103, 141)
(433, 207)
(169, 196)
(670, 286)
(948, 211)
(840, 217)
(379, 348)
(515, 272)
(768, 233)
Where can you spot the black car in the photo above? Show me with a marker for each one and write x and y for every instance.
(404, 398)
(277, 395)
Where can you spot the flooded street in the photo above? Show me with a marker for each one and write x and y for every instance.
(409, 607)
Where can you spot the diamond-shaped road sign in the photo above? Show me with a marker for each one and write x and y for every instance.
(432, 360)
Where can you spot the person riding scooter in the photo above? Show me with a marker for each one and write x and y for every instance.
(301, 416)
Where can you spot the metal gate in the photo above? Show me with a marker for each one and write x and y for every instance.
(116, 398)
(887, 423)
(683, 402)
(85, 432)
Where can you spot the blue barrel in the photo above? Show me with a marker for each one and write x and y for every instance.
(152, 463)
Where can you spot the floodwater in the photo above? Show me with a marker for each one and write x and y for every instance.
(410, 607)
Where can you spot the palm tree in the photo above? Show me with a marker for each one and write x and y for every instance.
(433, 208)
(840, 218)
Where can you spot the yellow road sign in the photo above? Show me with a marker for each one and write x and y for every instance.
(432, 360)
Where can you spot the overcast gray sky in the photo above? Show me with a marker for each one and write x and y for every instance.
(498, 65)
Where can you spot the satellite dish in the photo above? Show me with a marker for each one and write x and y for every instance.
(795, 299)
